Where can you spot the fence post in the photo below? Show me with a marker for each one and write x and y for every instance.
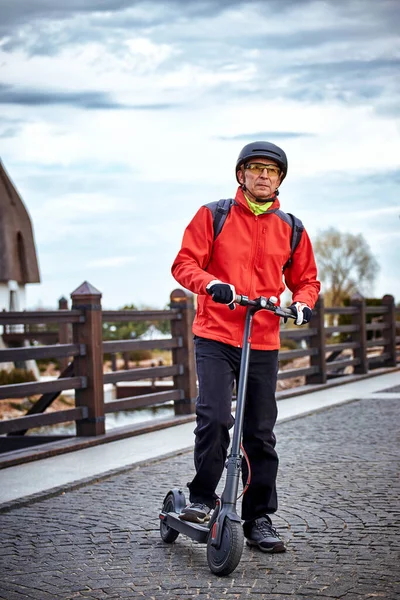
(318, 341)
(185, 354)
(390, 334)
(360, 336)
(64, 333)
(87, 298)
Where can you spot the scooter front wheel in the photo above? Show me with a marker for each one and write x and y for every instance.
(168, 535)
(223, 560)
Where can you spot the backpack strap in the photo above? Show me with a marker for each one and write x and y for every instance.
(220, 210)
(297, 230)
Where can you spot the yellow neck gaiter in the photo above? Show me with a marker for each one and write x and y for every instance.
(258, 209)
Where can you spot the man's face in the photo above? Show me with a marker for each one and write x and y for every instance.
(262, 183)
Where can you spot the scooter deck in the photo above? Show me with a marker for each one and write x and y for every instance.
(196, 531)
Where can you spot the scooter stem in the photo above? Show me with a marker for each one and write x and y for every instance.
(229, 495)
(242, 386)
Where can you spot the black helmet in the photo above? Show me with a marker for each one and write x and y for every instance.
(263, 150)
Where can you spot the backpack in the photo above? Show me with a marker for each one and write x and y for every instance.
(221, 208)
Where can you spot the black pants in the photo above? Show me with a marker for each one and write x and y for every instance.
(218, 367)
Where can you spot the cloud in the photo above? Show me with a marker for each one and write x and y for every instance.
(265, 135)
(16, 11)
(9, 132)
(33, 97)
(125, 116)
(346, 80)
(22, 11)
(288, 54)
(317, 23)
(84, 99)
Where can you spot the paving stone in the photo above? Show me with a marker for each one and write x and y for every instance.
(339, 515)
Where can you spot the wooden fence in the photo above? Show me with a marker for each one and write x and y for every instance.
(368, 337)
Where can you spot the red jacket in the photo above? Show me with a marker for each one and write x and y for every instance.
(249, 253)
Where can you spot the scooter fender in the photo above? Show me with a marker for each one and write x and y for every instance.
(218, 526)
(179, 499)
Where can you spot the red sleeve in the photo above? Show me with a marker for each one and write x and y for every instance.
(301, 276)
(194, 255)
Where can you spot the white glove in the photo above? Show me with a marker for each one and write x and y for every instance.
(302, 312)
(223, 293)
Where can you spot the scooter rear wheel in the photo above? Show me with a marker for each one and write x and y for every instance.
(225, 559)
(168, 535)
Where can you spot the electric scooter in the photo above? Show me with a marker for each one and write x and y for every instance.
(223, 534)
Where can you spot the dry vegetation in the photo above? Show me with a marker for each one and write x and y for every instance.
(17, 407)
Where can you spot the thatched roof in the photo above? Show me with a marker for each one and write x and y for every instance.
(18, 260)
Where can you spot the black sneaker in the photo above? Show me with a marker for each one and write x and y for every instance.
(195, 513)
(260, 533)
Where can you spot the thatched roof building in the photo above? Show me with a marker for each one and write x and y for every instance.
(18, 259)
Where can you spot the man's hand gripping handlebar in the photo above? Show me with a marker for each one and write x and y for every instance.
(266, 304)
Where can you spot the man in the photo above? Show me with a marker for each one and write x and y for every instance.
(246, 258)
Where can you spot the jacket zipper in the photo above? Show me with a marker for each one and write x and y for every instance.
(252, 262)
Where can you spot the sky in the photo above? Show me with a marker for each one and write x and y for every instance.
(120, 118)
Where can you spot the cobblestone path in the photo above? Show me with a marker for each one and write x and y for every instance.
(339, 514)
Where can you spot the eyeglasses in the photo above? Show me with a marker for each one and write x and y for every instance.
(258, 168)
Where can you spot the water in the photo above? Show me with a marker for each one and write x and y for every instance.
(113, 420)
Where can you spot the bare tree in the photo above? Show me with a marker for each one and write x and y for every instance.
(345, 263)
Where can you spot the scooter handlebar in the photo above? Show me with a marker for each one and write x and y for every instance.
(266, 304)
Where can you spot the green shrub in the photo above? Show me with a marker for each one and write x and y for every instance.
(43, 363)
(138, 355)
(288, 344)
(16, 376)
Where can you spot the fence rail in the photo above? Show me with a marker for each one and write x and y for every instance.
(368, 335)
(129, 345)
(140, 315)
(53, 418)
(36, 353)
(19, 390)
(41, 317)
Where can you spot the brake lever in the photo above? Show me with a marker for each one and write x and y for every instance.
(284, 314)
